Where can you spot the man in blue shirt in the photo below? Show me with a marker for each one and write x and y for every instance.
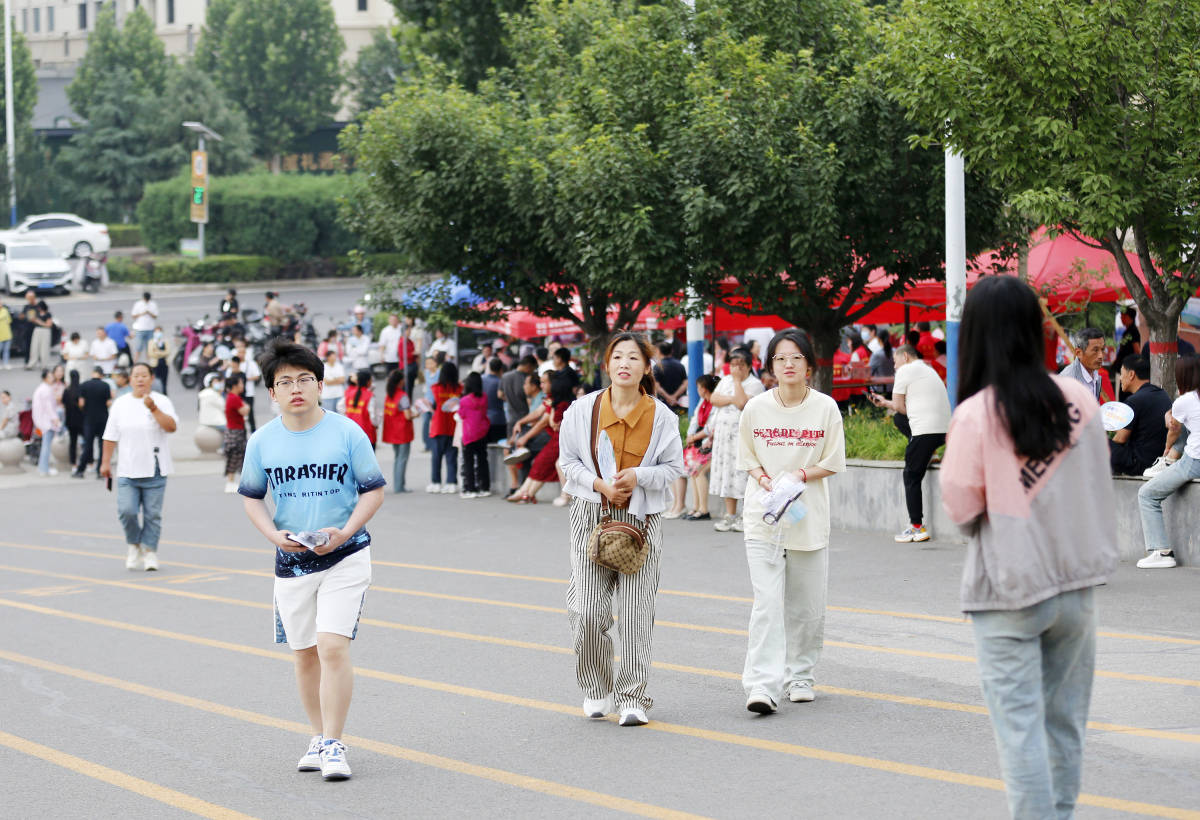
(326, 484)
(119, 333)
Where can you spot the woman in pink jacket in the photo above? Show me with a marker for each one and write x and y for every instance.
(472, 409)
(1021, 446)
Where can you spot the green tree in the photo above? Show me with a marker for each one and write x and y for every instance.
(555, 193)
(466, 36)
(1084, 113)
(192, 95)
(279, 60)
(119, 151)
(134, 48)
(27, 148)
(376, 70)
(798, 178)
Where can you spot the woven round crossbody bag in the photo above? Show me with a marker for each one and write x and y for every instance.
(617, 545)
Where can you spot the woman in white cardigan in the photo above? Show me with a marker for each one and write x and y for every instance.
(640, 455)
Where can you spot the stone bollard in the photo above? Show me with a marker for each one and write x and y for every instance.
(207, 440)
(12, 452)
(60, 448)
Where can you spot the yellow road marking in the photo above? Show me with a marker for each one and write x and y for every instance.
(861, 761)
(45, 592)
(917, 616)
(903, 700)
(450, 764)
(121, 780)
(888, 650)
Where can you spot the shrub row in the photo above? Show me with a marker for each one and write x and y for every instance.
(283, 216)
(125, 236)
(232, 268)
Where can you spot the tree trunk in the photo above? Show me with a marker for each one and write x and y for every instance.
(825, 344)
(1163, 349)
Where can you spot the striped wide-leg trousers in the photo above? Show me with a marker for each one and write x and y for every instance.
(590, 612)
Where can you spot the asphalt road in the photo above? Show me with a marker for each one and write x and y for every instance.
(161, 695)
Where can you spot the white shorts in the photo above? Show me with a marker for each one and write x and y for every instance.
(326, 601)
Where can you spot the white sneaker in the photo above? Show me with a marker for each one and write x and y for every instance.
(468, 495)
(912, 533)
(737, 525)
(150, 560)
(633, 716)
(333, 760)
(311, 762)
(433, 488)
(597, 708)
(1157, 559)
(560, 501)
(52, 471)
(1161, 463)
(231, 486)
(761, 704)
(483, 494)
(801, 692)
(133, 557)
(449, 488)
(671, 516)
(724, 525)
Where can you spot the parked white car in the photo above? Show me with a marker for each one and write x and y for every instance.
(68, 234)
(33, 266)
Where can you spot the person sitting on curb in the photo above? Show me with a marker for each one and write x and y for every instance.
(922, 406)
(1133, 449)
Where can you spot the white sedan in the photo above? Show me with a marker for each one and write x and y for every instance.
(33, 266)
(68, 234)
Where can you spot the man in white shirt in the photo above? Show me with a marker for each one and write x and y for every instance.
(145, 319)
(1088, 345)
(333, 386)
(443, 343)
(919, 395)
(103, 351)
(358, 346)
(389, 343)
(479, 363)
(253, 377)
(140, 422)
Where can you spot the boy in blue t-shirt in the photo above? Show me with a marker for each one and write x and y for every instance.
(326, 484)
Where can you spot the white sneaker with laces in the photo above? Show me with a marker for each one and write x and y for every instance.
(1157, 559)
(724, 525)
(133, 557)
(912, 533)
(633, 716)
(1161, 463)
(761, 703)
(737, 525)
(468, 495)
(598, 708)
(231, 486)
(311, 762)
(333, 760)
(483, 494)
(433, 488)
(449, 488)
(801, 692)
(149, 560)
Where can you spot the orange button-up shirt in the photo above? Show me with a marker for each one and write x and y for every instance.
(630, 436)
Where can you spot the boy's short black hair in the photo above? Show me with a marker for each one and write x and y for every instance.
(542, 353)
(563, 355)
(1138, 365)
(282, 352)
(235, 380)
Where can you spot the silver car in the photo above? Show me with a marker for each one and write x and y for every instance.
(68, 234)
(33, 266)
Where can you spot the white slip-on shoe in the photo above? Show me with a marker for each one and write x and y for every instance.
(1157, 559)
(633, 716)
(311, 762)
(597, 708)
(149, 560)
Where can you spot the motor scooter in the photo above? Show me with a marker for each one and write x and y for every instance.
(94, 273)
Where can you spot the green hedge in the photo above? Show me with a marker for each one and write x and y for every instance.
(235, 269)
(125, 236)
(284, 216)
(871, 435)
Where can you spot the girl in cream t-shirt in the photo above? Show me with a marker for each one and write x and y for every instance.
(789, 429)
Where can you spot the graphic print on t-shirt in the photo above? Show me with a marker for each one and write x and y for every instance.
(315, 478)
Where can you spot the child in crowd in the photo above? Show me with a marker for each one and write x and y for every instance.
(398, 431)
(472, 410)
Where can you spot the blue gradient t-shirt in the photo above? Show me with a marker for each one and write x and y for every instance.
(315, 478)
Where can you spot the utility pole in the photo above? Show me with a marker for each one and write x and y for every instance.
(956, 263)
(199, 201)
(10, 139)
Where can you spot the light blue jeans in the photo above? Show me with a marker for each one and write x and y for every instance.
(44, 455)
(1036, 666)
(400, 451)
(144, 495)
(5, 347)
(1152, 494)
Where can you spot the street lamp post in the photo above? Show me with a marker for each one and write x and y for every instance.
(9, 137)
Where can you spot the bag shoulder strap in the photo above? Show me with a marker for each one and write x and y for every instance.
(592, 440)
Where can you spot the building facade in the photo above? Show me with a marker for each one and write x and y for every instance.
(57, 32)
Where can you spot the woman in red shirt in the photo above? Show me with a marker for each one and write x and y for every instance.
(544, 467)
(359, 405)
(441, 430)
(236, 411)
(398, 414)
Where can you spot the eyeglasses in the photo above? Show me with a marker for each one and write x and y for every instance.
(785, 360)
(303, 381)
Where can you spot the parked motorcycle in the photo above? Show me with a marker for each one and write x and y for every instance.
(94, 273)
(194, 336)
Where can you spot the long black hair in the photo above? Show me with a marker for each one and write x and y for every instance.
(395, 379)
(1001, 346)
(474, 384)
(448, 377)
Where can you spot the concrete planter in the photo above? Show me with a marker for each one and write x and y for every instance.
(870, 496)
